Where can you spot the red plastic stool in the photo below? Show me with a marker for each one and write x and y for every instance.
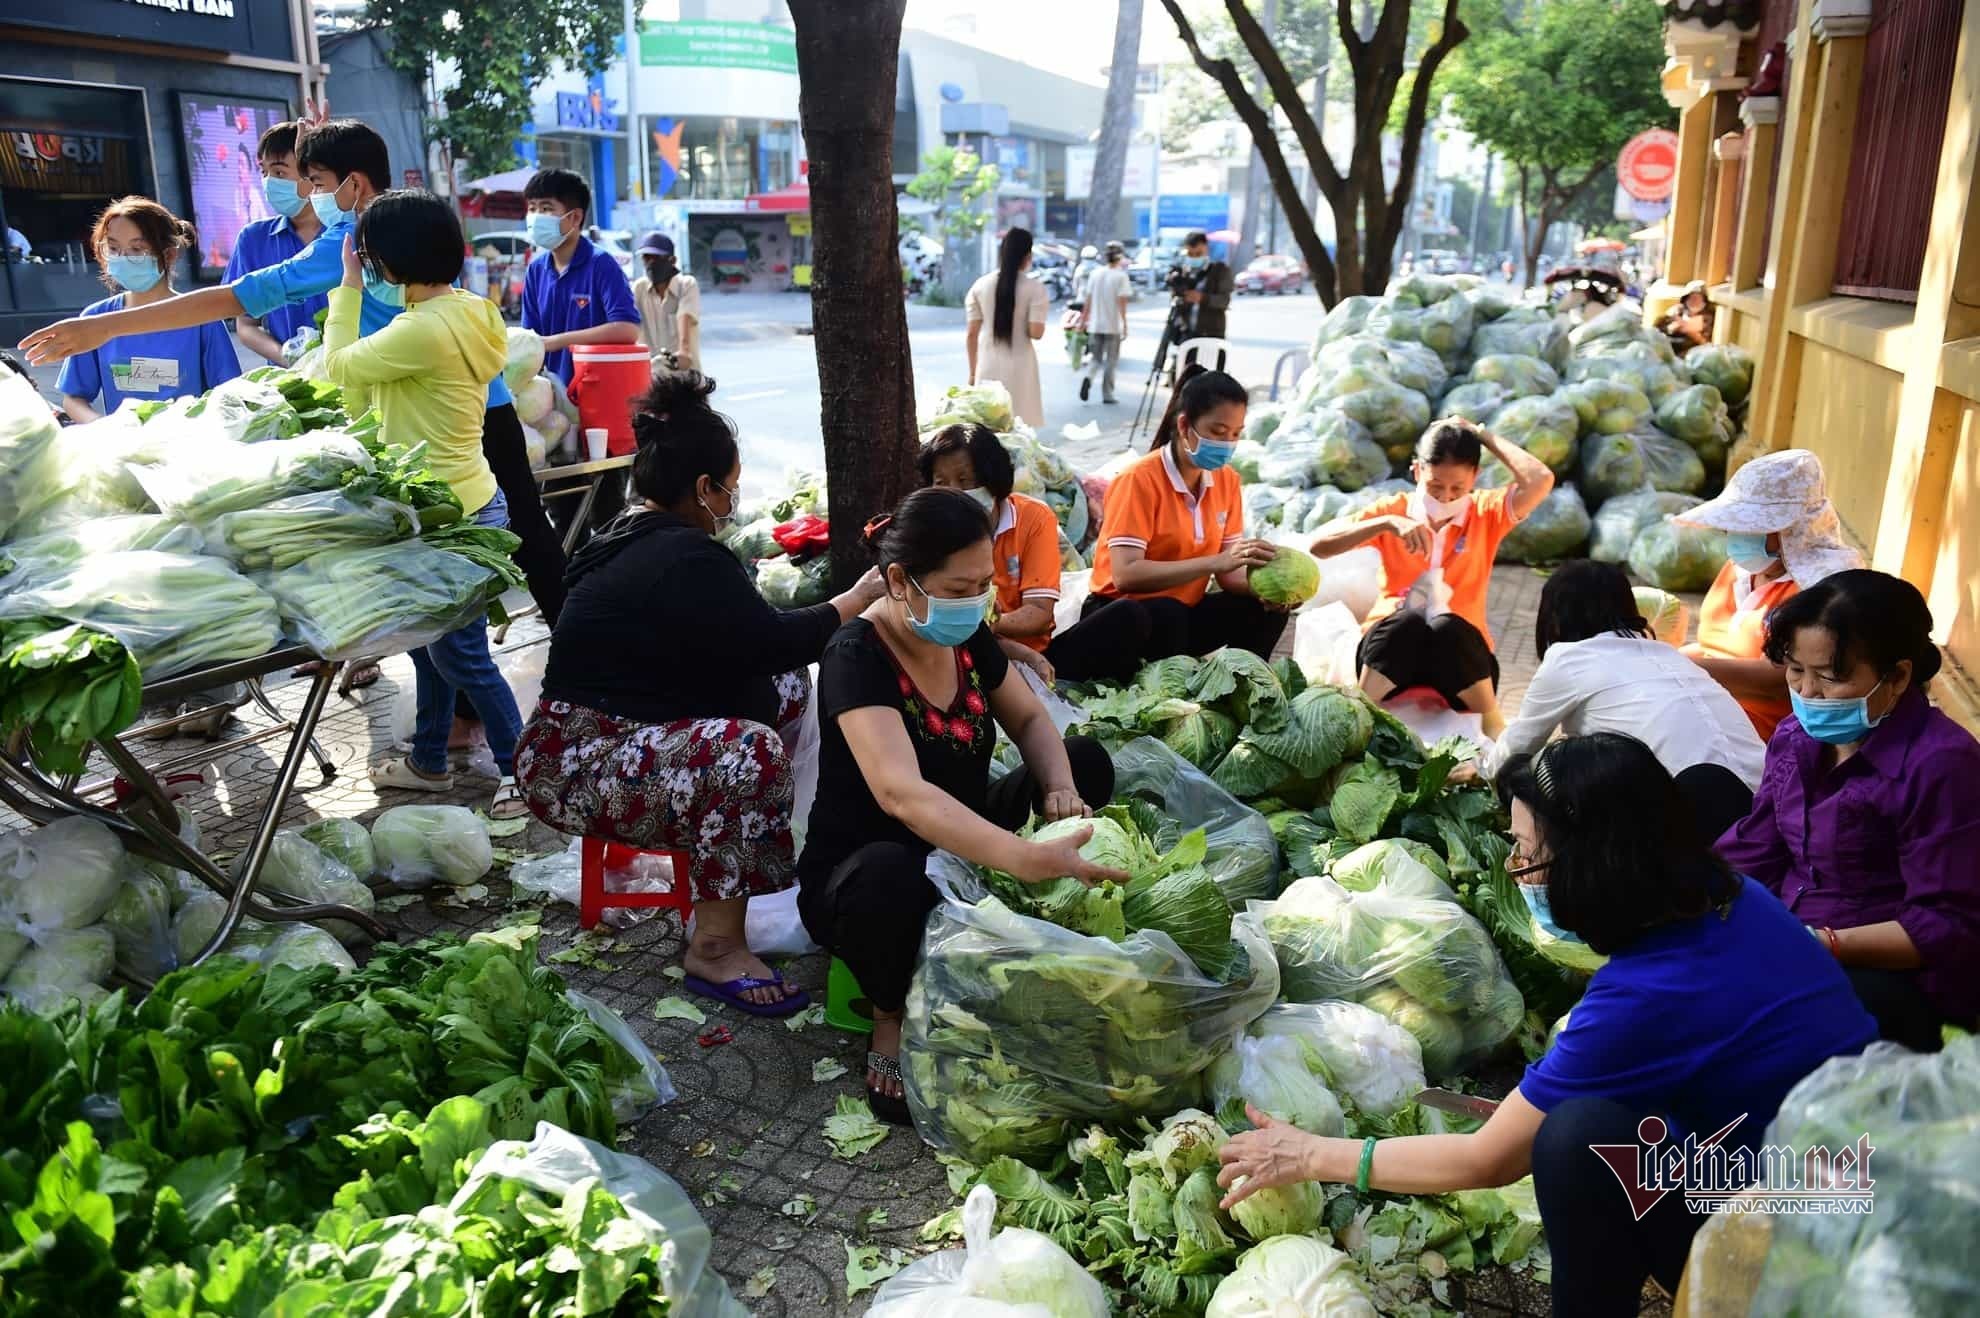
(597, 855)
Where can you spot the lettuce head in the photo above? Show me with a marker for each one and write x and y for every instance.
(1289, 580)
(1291, 1274)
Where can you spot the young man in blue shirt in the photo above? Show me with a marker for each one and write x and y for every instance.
(263, 243)
(572, 293)
(345, 165)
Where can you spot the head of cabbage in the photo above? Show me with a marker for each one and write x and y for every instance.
(1272, 1075)
(1289, 580)
(418, 845)
(1291, 1274)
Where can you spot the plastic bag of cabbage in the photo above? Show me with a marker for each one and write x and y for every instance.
(1365, 1059)
(1015, 1273)
(1020, 1030)
(1619, 520)
(1423, 963)
(1726, 367)
(1165, 796)
(420, 845)
(1555, 530)
(1674, 557)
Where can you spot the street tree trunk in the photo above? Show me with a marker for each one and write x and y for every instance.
(1254, 174)
(848, 59)
(1103, 206)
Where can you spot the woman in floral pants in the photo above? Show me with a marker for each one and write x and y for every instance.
(672, 694)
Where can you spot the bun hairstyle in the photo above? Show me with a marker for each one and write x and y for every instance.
(1875, 617)
(925, 530)
(163, 232)
(1199, 391)
(680, 437)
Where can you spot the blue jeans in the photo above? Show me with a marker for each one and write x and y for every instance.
(460, 660)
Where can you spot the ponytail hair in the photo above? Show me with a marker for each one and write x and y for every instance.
(1199, 390)
(1011, 256)
(926, 529)
(681, 438)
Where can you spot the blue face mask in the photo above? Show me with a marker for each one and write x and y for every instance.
(1210, 454)
(1835, 722)
(1195, 262)
(326, 207)
(950, 622)
(1543, 911)
(136, 273)
(1748, 552)
(283, 196)
(392, 295)
(545, 231)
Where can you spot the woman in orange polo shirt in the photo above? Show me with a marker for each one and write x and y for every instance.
(1437, 544)
(1782, 536)
(1174, 522)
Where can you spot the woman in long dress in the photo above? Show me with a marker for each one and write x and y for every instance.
(1014, 305)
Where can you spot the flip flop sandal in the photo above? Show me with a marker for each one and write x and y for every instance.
(508, 801)
(885, 1106)
(362, 675)
(795, 1000)
(398, 773)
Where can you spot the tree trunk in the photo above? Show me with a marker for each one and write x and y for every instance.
(848, 60)
(1533, 238)
(1103, 206)
(1254, 174)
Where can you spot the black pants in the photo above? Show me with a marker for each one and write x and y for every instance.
(1114, 636)
(870, 910)
(1445, 653)
(541, 554)
(1601, 1252)
(1904, 1014)
(1719, 799)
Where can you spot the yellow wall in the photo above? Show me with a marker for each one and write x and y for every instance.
(1844, 415)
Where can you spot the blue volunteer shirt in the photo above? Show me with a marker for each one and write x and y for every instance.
(1705, 1020)
(312, 273)
(270, 242)
(150, 367)
(591, 291)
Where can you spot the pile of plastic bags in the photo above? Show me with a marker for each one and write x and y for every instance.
(549, 417)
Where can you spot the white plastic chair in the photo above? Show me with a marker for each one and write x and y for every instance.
(1204, 351)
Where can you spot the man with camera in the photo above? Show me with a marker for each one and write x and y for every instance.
(1201, 289)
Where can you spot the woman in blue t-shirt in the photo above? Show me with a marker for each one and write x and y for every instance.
(137, 241)
(1713, 1004)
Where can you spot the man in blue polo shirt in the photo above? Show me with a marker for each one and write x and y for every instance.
(263, 243)
(572, 293)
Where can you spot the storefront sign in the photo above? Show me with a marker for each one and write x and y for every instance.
(1137, 179)
(707, 45)
(1647, 167)
(246, 27)
(800, 226)
(64, 162)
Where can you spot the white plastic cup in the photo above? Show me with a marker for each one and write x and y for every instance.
(594, 444)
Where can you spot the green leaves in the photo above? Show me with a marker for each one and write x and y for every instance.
(67, 685)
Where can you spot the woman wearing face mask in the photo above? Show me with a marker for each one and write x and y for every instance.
(911, 695)
(1014, 304)
(1867, 821)
(1437, 545)
(1713, 1004)
(673, 692)
(137, 242)
(1175, 523)
(1782, 536)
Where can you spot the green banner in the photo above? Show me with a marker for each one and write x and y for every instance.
(700, 45)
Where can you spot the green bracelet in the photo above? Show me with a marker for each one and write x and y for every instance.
(1367, 1165)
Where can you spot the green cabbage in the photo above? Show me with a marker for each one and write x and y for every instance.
(988, 403)
(1608, 407)
(1261, 421)
(140, 919)
(62, 963)
(1282, 1210)
(1289, 580)
(1669, 463)
(1349, 457)
(1189, 907)
(301, 946)
(63, 875)
(1669, 617)
(1477, 401)
(1371, 1062)
(1524, 332)
(1187, 1142)
(346, 841)
(1440, 1036)
(524, 358)
(1394, 414)
(1446, 327)
(1612, 464)
(1245, 457)
(1619, 520)
(1673, 557)
(1388, 863)
(419, 845)
(1291, 459)
(1546, 427)
(1726, 367)
(1202, 736)
(1296, 1275)
(1362, 796)
(1520, 376)
(1694, 414)
(1202, 1236)
(1272, 1075)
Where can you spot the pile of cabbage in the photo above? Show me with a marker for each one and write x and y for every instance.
(210, 529)
(1606, 404)
(549, 417)
(1039, 469)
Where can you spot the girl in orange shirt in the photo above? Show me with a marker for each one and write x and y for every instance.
(1174, 522)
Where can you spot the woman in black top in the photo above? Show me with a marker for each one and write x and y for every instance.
(673, 691)
(907, 693)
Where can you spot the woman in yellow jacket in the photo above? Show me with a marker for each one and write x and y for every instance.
(427, 371)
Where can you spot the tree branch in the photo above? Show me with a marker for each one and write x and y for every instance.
(1287, 94)
(1453, 34)
(1224, 73)
(1350, 38)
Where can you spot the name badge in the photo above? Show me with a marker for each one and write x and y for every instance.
(146, 375)
(1222, 518)
(1011, 566)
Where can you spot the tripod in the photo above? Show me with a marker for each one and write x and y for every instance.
(1174, 332)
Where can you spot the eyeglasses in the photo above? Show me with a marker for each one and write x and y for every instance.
(1519, 863)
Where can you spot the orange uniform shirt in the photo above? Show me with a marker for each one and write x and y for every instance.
(1150, 507)
(1469, 548)
(1726, 631)
(1026, 547)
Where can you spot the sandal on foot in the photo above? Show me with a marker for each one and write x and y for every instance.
(361, 675)
(731, 992)
(398, 773)
(892, 1110)
(508, 802)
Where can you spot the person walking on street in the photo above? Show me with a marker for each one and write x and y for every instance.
(1107, 294)
(1015, 305)
(669, 307)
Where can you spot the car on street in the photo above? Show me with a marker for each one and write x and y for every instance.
(1439, 261)
(1272, 274)
(1148, 266)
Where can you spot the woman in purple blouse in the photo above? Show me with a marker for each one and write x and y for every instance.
(1867, 821)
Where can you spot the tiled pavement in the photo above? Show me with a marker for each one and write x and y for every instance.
(743, 1136)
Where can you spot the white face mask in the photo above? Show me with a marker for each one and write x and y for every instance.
(1437, 509)
(983, 497)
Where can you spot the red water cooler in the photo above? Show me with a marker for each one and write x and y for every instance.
(605, 378)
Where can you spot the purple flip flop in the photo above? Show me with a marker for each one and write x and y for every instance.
(732, 993)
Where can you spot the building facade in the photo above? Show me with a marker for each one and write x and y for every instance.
(1826, 176)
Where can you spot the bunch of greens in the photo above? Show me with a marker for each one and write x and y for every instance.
(318, 403)
(29, 444)
(287, 531)
(67, 685)
(400, 475)
(201, 482)
(344, 603)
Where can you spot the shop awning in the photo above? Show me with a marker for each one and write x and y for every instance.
(513, 180)
(791, 197)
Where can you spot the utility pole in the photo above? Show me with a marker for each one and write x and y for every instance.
(1478, 203)
(1254, 171)
(635, 137)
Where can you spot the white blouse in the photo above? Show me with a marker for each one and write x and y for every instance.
(1643, 688)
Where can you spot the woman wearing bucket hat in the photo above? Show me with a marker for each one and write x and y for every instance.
(1782, 536)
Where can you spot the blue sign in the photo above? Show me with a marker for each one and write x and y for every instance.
(590, 108)
(1207, 211)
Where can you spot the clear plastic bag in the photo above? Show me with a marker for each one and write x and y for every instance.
(1616, 525)
(351, 603)
(284, 533)
(62, 875)
(346, 841)
(30, 449)
(632, 1098)
(1273, 1075)
(420, 845)
(1019, 1031)
(1365, 1058)
(297, 868)
(1243, 858)
(173, 612)
(202, 481)
(140, 919)
(555, 1160)
(1423, 963)
(42, 558)
(1016, 1273)
(560, 877)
